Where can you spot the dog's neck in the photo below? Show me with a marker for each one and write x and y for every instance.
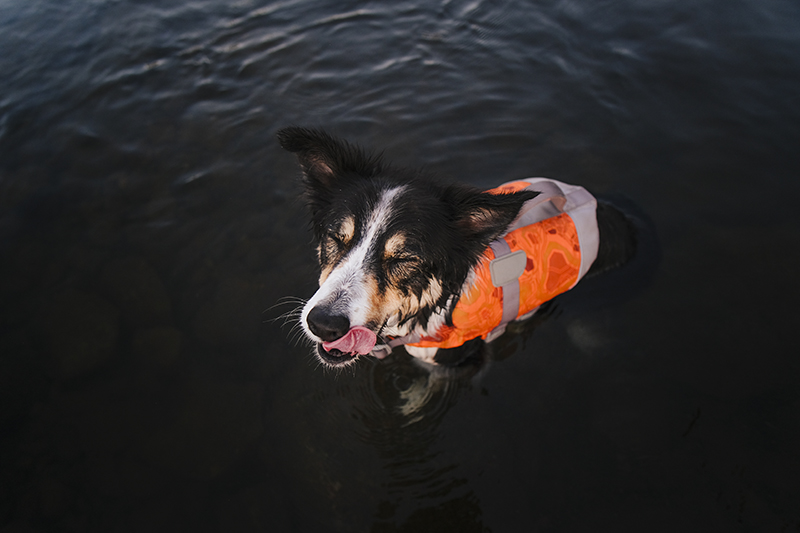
(437, 319)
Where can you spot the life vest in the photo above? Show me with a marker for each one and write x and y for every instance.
(545, 252)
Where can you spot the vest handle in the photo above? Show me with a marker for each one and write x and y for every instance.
(550, 202)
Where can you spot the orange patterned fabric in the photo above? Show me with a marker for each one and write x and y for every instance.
(554, 261)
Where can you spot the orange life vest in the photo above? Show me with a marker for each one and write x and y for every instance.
(537, 261)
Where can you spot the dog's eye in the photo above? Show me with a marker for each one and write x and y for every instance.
(403, 265)
(339, 240)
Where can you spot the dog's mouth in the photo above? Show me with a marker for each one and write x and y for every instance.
(357, 341)
(334, 357)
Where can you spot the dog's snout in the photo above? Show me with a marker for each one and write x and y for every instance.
(327, 326)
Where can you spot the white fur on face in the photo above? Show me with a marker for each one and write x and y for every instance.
(349, 289)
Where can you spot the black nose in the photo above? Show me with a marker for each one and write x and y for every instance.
(327, 326)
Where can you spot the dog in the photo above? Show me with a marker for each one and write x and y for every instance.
(403, 255)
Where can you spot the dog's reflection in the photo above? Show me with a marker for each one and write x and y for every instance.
(413, 390)
(408, 391)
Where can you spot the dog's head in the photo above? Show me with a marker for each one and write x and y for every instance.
(395, 247)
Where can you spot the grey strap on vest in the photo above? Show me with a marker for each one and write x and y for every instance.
(549, 203)
(382, 350)
(507, 267)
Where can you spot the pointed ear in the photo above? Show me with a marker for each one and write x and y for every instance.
(325, 159)
(481, 217)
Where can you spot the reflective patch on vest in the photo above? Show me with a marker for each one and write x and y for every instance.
(508, 268)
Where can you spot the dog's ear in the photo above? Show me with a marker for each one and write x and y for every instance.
(326, 160)
(481, 217)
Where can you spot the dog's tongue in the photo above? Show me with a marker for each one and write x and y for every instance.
(359, 340)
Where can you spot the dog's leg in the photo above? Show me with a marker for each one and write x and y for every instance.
(423, 354)
(617, 239)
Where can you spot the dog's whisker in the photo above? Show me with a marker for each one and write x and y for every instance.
(286, 317)
(292, 314)
(290, 299)
(296, 337)
(286, 300)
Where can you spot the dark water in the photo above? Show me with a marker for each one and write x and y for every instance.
(149, 225)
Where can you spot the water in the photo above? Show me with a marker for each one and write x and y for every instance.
(151, 238)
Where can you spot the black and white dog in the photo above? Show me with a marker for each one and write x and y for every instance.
(398, 250)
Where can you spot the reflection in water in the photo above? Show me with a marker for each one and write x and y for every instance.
(405, 402)
(371, 443)
(401, 406)
(414, 390)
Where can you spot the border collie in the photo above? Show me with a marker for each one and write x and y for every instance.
(404, 257)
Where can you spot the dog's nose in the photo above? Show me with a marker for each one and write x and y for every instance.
(326, 326)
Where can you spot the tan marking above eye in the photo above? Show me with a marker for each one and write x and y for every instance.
(348, 229)
(394, 245)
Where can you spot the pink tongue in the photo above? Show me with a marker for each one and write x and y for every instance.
(359, 340)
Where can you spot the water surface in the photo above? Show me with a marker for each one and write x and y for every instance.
(151, 237)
